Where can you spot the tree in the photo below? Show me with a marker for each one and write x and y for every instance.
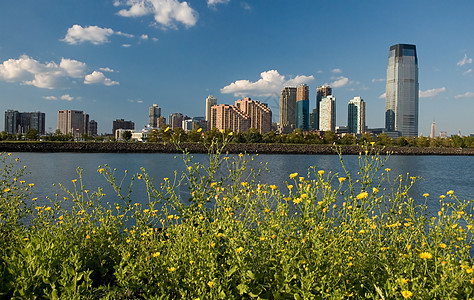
(329, 137)
(270, 137)
(253, 136)
(348, 139)
(401, 141)
(153, 136)
(127, 135)
(366, 138)
(32, 135)
(384, 140)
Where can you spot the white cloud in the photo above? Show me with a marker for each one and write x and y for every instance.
(383, 96)
(431, 93)
(50, 75)
(94, 34)
(50, 98)
(214, 2)
(336, 70)
(166, 12)
(67, 97)
(270, 83)
(465, 95)
(126, 45)
(154, 39)
(97, 77)
(339, 82)
(144, 37)
(124, 34)
(245, 5)
(464, 61)
(107, 70)
(378, 80)
(467, 72)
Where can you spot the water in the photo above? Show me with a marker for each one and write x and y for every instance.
(439, 173)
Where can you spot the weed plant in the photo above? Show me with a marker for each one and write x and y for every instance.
(323, 236)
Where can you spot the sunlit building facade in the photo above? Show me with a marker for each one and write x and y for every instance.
(327, 118)
(287, 110)
(356, 116)
(260, 114)
(302, 107)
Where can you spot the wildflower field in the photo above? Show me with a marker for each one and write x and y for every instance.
(323, 236)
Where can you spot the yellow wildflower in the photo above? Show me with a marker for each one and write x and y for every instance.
(293, 175)
(375, 190)
(362, 195)
(341, 179)
(240, 249)
(297, 200)
(210, 283)
(426, 195)
(426, 255)
(388, 169)
(450, 192)
(6, 190)
(407, 294)
(273, 187)
(156, 254)
(172, 269)
(167, 129)
(321, 172)
(199, 130)
(442, 245)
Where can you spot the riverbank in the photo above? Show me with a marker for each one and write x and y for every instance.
(88, 147)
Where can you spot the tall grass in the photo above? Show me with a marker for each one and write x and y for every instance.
(323, 236)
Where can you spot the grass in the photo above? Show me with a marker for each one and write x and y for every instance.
(323, 236)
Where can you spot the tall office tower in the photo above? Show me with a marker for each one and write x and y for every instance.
(321, 92)
(302, 107)
(433, 130)
(122, 124)
(154, 112)
(356, 116)
(287, 110)
(229, 117)
(73, 121)
(175, 120)
(210, 101)
(92, 128)
(401, 106)
(21, 122)
(327, 110)
(161, 122)
(259, 113)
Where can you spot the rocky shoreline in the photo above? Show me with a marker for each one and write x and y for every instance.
(92, 147)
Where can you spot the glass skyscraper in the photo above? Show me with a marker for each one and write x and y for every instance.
(302, 107)
(356, 116)
(401, 106)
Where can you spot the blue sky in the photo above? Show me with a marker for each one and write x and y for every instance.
(115, 58)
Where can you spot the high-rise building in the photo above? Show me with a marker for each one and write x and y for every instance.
(210, 101)
(161, 122)
(92, 128)
(175, 120)
(401, 106)
(154, 112)
(302, 107)
(229, 117)
(356, 116)
(122, 124)
(73, 121)
(287, 110)
(259, 113)
(321, 92)
(21, 122)
(433, 130)
(327, 109)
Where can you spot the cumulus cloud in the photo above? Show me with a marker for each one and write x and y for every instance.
(50, 98)
(464, 61)
(378, 80)
(269, 84)
(50, 75)
(67, 97)
(465, 95)
(383, 96)
(97, 77)
(431, 93)
(106, 70)
(467, 72)
(144, 37)
(94, 34)
(126, 45)
(339, 82)
(336, 70)
(214, 2)
(166, 12)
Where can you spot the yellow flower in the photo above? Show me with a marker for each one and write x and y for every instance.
(442, 245)
(210, 283)
(450, 192)
(167, 129)
(404, 280)
(442, 196)
(88, 237)
(47, 208)
(303, 196)
(290, 186)
(341, 179)
(31, 184)
(213, 245)
(426, 255)
(101, 170)
(74, 180)
(172, 269)
(321, 172)
(388, 169)
(297, 200)
(273, 187)
(170, 217)
(6, 190)
(407, 294)
(293, 175)
(362, 195)
(426, 195)
(240, 249)
(375, 190)
(190, 168)
(231, 133)
(156, 254)
(199, 130)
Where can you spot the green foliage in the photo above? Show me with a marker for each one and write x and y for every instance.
(320, 236)
(32, 135)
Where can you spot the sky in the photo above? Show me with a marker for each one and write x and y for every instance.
(115, 58)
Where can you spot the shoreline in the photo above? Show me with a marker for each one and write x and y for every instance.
(120, 147)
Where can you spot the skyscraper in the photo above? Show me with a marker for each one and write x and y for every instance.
(175, 120)
(259, 113)
(433, 130)
(122, 124)
(321, 92)
(154, 112)
(302, 107)
(356, 116)
(401, 106)
(73, 121)
(21, 122)
(327, 109)
(210, 101)
(229, 117)
(287, 110)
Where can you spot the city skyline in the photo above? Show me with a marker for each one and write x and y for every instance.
(115, 59)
